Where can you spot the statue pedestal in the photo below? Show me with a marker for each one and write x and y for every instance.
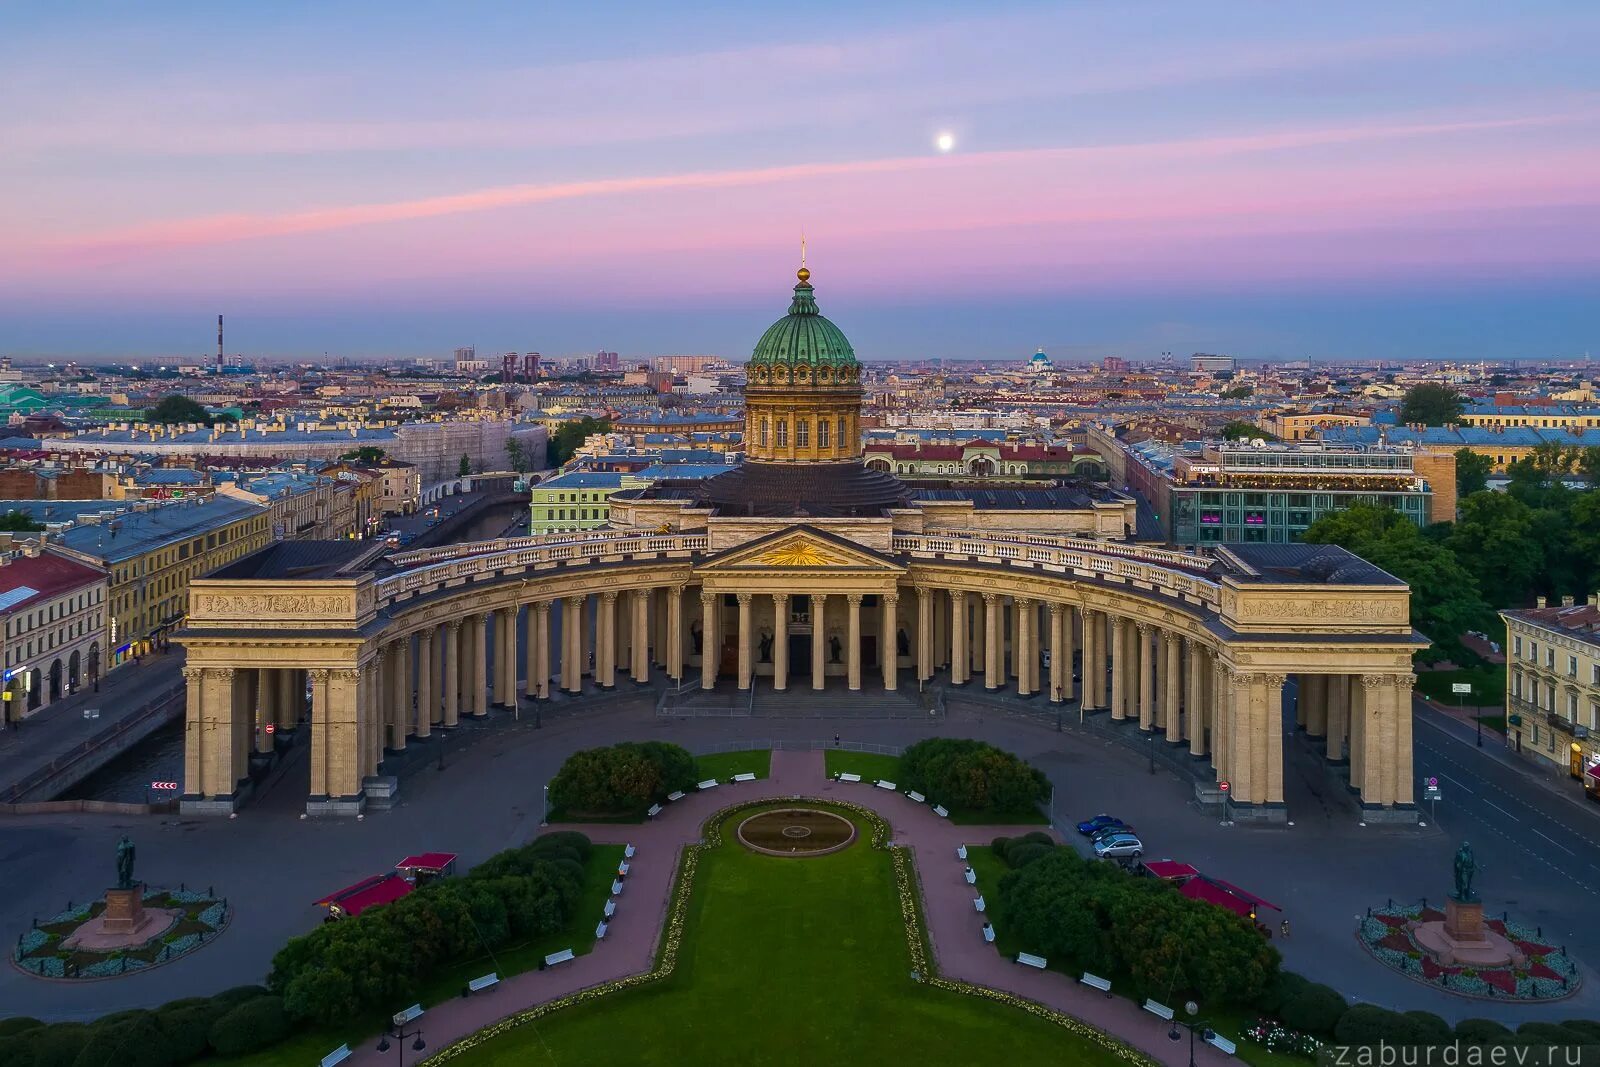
(124, 914)
(1463, 939)
(1463, 922)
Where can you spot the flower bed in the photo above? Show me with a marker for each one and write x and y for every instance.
(1279, 1038)
(41, 952)
(1549, 975)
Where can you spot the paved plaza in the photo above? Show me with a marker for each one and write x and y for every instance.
(1324, 870)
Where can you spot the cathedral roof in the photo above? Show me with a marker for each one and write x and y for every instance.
(803, 336)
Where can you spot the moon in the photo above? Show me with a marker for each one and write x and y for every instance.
(945, 141)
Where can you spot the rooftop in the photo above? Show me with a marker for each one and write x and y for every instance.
(1321, 564)
(134, 533)
(303, 559)
(29, 580)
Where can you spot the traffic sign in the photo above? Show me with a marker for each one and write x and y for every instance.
(1223, 785)
(1460, 687)
(170, 786)
(1432, 782)
(271, 728)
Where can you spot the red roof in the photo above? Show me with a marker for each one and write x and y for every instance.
(352, 900)
(426, 861)
(47, 574)
(1170, 869)
(1215, 891)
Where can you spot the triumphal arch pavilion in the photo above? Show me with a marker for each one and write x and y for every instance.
(802, 569)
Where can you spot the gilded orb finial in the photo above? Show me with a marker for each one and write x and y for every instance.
(803, 274)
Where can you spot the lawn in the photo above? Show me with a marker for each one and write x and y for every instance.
(311, 1044)
(724, 765)
(990, 868)
(1488, 685)
(872, 768)
(789, 961)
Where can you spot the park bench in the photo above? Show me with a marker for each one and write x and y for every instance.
(611, 908)
(988, 933)
(1094, 981)
(939, 810)
(600, 931)
(411, 1013)
(961, 852)
(628, 851)
(1222, 1043)
(707, 784)
(971, 876)
(978, 904)
(745, 777)
(655, 809)
(616, 887)
(482, 982)
(675, 796)
(337, 1056)
(845, 776)
(883, 784)
(918, 797)
(623, 868)
(559, 957)
(1028, 959)
(1159, 1010)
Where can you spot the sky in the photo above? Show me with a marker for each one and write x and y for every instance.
(1266, 179)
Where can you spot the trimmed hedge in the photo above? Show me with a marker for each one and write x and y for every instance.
(17, 1024)
(621, 779)
(252, 1026)
(1481, 1032)
(1314, 1009)
(963, 773)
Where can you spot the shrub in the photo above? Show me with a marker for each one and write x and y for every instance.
(1481, 1031)
(622, 778)
(1549, 1034)
(1020, 854)
(136, 1042)
(252, 1026)
(117, 1018)
(999, 846)
(1368, 1024)
(188, 1027)
(57, 1045)
(232, 998)
(1429, 1029)
(17, 1024)
(1036, 837)
(1588, 1028)
(17, 1050)
(1314, 1009)
(973, 774)
(1280, 991)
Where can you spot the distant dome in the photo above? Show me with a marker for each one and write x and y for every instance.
(803, 337)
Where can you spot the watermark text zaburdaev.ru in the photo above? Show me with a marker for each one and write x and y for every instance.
(1387, 1055)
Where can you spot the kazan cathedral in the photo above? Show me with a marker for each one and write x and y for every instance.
(802, 579)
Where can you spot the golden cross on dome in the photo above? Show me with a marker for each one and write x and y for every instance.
(803, 274)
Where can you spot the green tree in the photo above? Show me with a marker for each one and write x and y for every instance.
(19, 522)
(463, 468)
(1431, 404)
(1494, 539)
(1445, 598)
(1238, 392)
(571, 435)
(1472, 472)
(176, 409)
(1240, 430)
(519, 462)
(1588, 465)
(365, 454)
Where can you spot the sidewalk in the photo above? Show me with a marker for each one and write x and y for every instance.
(56, 730)
(954, 928)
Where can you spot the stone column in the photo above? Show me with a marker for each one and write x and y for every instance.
(1174, 678)
(1337, 689)
(960, 645)
(1147, 677)
(658, 625)
(400, 693)
(674, 639)
(427, 701)
(710, 641)
(289, 693)
(994, 666)
(1025, 655)
(853, 641)
(452, 672)
(1221, 713)
(746, 667)
(1119, 663)
(1059, 680)
(1361, 699)
(925, 636)
(1400, 770)
(889, 643)
(505, 656)
(572, 623)
(338, 747)
(256, 711)
(539, 641)
(819, 661)
(1269, 748)
(780, 641)
(320, 732)
(1241, 731)
(480, 665)
(195, 728)
(605, 640)
(641, 636)
(1194, 709)
(980, 638)
(530, 656)
(1314, 703)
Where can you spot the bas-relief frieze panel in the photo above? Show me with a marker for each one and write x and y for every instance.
(254, 607)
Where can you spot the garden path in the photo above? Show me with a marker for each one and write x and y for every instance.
(954, 927)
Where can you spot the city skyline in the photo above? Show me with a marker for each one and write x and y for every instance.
(1356, 184)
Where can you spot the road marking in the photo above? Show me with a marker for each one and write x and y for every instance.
(1554, 842)
(1458, 785)
(1504, 812)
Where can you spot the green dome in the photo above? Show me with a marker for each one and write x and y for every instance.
(803, 337)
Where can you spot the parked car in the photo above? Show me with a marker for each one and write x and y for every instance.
(1090, 827)
(1119, 846)
(1111, 831)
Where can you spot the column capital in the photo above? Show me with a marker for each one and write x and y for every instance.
(707, 596)
(891, 599)
(1375, 681)
(542, 607)
(224, 673)
(743, 598)
(191, 675)
(1275, 680)
(345, 674)
(454, 625)
(924, 592)
(1022, 601)
(958, 596)
(781, 599)
(609, 596)
(318, 674)
(1057, 609)
(818, 598)
(990, 598)
(1144, 628)
(854, 598)
(675, 592)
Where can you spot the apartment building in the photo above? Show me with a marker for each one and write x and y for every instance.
(1553, 682)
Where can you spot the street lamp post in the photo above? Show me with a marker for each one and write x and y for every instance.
(1150, 738)
(400, 1033)
(1190, 1008)
(544, 816)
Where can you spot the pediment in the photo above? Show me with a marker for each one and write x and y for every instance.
(803, 548)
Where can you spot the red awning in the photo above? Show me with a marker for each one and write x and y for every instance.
(432, 862)
(1594, 772)
(1170, 869)
(1236, 900)
(354, 899)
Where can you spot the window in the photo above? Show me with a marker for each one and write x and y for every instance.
(1516, 683)
(1533, 651)
(802, 433)
(783, 433)
(1594, 674)
(1572, 666)
(1550, 658)
(764, 432)
(1516, 646)
(822, 433)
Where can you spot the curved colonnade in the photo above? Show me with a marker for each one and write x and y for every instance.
(1195, 650)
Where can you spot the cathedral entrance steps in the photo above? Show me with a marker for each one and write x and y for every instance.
(834, 702)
